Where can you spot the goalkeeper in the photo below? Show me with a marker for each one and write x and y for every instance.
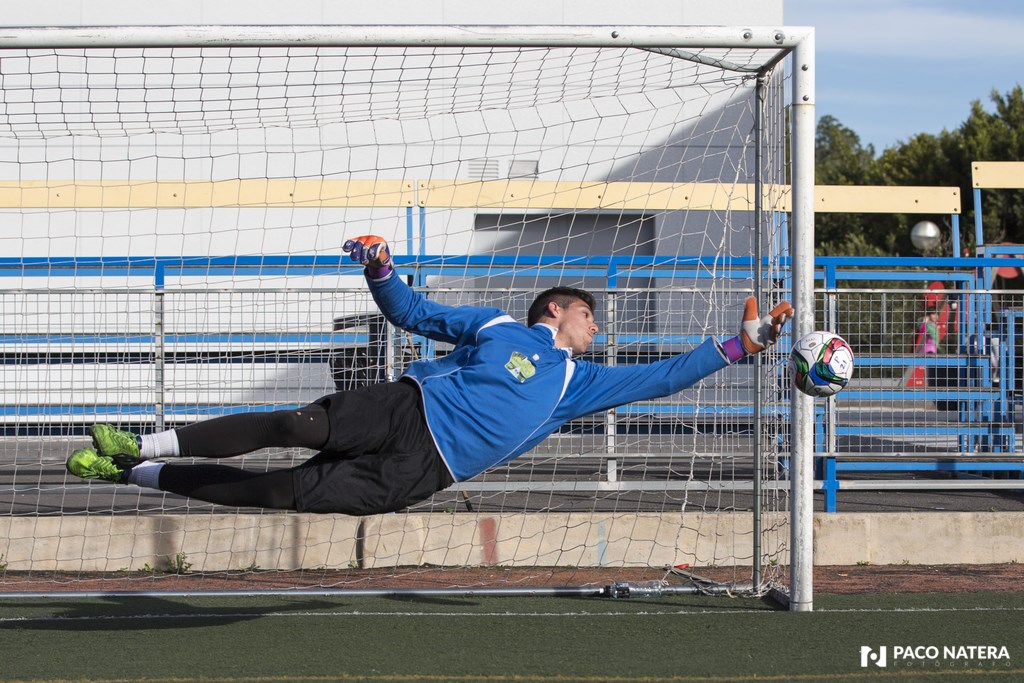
(380, 448)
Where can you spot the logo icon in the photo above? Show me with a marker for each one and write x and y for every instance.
(869, 655)
(520, 367)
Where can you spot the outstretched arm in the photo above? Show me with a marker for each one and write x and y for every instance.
(406, 308)
(604, 387)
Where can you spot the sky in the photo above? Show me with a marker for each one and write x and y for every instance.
(890, 69)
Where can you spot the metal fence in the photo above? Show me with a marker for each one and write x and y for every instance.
(158, 356)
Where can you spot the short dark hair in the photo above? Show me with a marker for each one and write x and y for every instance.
(563, 296)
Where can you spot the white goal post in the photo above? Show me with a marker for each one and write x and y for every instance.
(178, 196)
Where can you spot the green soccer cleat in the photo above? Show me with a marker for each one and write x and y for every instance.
(110, 441)
(88, 464)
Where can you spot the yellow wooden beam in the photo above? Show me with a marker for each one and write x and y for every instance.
(151, 194)
(997, 174)
(582, 195)
(467, 194)
(885, 199)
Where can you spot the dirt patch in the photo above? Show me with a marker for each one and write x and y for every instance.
(845, 580)
(945, 578)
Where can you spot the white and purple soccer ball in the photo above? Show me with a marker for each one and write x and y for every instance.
(821, 364)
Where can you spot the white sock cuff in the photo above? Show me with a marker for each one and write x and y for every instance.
(159, 445)
(146, 473)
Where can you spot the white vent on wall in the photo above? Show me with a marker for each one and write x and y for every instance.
(484, 169)
(523, 168)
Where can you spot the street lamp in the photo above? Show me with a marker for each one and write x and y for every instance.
(925, 236)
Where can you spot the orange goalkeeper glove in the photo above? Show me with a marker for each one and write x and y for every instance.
(757, 332)
(371, 251)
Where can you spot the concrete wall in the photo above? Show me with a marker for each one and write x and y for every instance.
(918, 538)
(293, 541)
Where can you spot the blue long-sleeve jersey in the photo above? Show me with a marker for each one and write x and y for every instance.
(505, 386)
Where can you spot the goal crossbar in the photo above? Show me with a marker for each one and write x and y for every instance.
(755, 37)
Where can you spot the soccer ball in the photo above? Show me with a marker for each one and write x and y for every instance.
(821, 364)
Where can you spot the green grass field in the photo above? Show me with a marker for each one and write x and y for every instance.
(339, 638)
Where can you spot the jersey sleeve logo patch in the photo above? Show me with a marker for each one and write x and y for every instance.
(520, 367)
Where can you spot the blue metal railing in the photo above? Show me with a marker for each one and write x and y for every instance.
(984, 401)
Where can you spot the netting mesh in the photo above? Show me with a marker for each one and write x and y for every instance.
(175, 218)
(133, 91)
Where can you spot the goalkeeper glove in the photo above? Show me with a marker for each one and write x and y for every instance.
(371, 251)
(757, 332)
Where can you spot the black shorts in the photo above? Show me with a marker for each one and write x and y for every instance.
(379, 457)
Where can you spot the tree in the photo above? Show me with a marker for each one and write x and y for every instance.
(938, 160)
(841, 159)
(997, 136)
(925, 159)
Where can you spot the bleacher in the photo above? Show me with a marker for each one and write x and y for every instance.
(154, 342)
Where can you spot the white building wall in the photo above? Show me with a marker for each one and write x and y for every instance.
(382, 149)
(579, 12)
(563, 150)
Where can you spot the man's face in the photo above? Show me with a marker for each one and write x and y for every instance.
(575, 325)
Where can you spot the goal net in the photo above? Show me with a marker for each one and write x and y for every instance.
(173, 220)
